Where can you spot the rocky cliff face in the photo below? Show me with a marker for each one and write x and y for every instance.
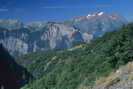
(31, 39)
(121, 79)
(20, 39)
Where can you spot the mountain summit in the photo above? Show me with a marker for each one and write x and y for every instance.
(97, 23)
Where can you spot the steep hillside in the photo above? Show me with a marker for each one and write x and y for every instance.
(121, 79)
(80, 66)
(21, 38)
(12, 75)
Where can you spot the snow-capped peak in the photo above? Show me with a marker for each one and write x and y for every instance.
(95, 14)
(100, 13)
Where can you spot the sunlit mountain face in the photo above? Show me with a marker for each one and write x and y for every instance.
(20, 38)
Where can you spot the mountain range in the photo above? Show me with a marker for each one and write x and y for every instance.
(20, 38)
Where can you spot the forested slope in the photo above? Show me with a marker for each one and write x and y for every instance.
(80, 66)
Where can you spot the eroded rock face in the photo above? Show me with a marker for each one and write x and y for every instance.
(12, 75)
(48, 37)
(21, 38)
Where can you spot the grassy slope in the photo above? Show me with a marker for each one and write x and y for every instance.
(80, 66)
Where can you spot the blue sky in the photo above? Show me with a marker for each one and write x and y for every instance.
(59, 10)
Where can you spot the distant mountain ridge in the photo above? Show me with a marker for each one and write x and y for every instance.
(20, 38)
(11, 24)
